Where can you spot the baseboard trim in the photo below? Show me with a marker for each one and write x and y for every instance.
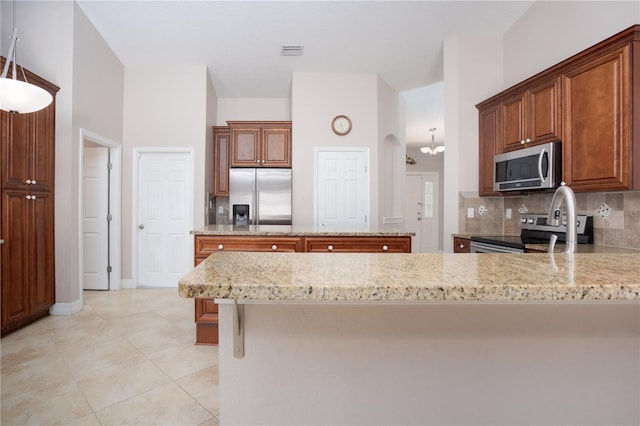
(66, 309)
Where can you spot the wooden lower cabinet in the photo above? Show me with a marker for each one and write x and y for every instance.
(206, 310)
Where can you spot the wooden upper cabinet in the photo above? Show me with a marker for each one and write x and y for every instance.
(586, 102)
(489, 117)
(260, 143)
(532, 115)
(27, 155)
(597, 145)
(221, 158)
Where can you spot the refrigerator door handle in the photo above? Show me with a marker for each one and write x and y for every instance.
(255, 215)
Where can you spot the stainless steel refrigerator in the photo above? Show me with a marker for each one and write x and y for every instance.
(266, 192)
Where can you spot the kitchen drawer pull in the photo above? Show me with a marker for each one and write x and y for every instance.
(385, 248)
(220, 246)
(274, 247)
(330, 248)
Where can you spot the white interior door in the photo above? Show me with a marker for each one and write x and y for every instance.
(342, 188)
(164, 218)
(95, 227)
(413, 210)
(421, 211)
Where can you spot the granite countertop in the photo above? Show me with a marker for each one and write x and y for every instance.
(361, 277)
(301, 231)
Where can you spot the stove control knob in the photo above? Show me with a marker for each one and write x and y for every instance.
(578, 223)
(523, 220)
(530, 221)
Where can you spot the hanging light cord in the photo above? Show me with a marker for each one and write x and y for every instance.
(13, 52)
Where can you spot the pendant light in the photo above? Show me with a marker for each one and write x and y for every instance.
(19, 96)
(433, 149)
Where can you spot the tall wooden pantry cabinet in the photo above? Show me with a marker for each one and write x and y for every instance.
(27, 206)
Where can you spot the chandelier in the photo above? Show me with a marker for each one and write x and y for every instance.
(433, 149)
(15, 95)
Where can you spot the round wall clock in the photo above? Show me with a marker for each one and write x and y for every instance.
(341, 125)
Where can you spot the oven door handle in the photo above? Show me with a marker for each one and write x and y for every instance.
(478, 247)
(540, 157)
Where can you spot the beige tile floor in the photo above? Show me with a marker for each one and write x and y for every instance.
(128, 358)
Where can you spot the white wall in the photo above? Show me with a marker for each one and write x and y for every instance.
(249, 109)
(160, 114)
(473, 72)
(561, 29)
(391, 149)
(316, 99)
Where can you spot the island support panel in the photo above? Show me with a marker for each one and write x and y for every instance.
(447, 363)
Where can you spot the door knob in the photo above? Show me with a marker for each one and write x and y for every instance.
(141, 226)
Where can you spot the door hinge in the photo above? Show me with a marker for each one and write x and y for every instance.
(109, 218)
(109, 269)
(109, 165)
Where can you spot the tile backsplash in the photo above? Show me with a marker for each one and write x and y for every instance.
(616, 215)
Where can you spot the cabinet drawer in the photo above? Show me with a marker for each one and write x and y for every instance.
(461, 245)
(207, 245)
(358, 245)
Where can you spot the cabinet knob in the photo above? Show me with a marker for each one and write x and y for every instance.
(30, 197)
(220, 246)
(528, 140)
(522, 142)
(28, 181)
(385, 248)
(330, 248)
(461, 246)
(274, 247)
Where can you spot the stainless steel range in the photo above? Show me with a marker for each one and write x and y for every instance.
(533, 230)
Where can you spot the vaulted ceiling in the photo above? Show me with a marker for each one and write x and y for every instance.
(240, 41)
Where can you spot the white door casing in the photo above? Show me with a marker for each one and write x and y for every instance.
(422, 210)
(163, 204)
(95, 229)
(341, 187)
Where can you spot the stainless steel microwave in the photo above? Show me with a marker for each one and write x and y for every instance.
(536, 167)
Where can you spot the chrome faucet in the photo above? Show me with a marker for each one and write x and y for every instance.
(564, 193)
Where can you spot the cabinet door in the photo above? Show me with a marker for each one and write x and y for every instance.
(513, 112)
(221, 157)
(358, 244)
(15, 258)
(596, 137)
(27, 154)
(489, 120)
(276, 148)
(41, 259)
(544, 112)
(246, 148)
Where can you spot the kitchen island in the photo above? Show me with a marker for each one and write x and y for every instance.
(425, 338)
(286, 238)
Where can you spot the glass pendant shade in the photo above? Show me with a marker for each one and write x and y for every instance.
(18, 96)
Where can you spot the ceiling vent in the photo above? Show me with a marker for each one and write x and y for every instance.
(291, 50)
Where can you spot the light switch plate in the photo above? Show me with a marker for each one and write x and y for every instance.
(220, 210)
(470, 212)
(508, 214)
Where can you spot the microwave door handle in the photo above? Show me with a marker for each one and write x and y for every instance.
(540, 157)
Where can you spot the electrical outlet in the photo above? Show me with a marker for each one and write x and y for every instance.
(508, 214)
(470, 212)
(220, 210)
